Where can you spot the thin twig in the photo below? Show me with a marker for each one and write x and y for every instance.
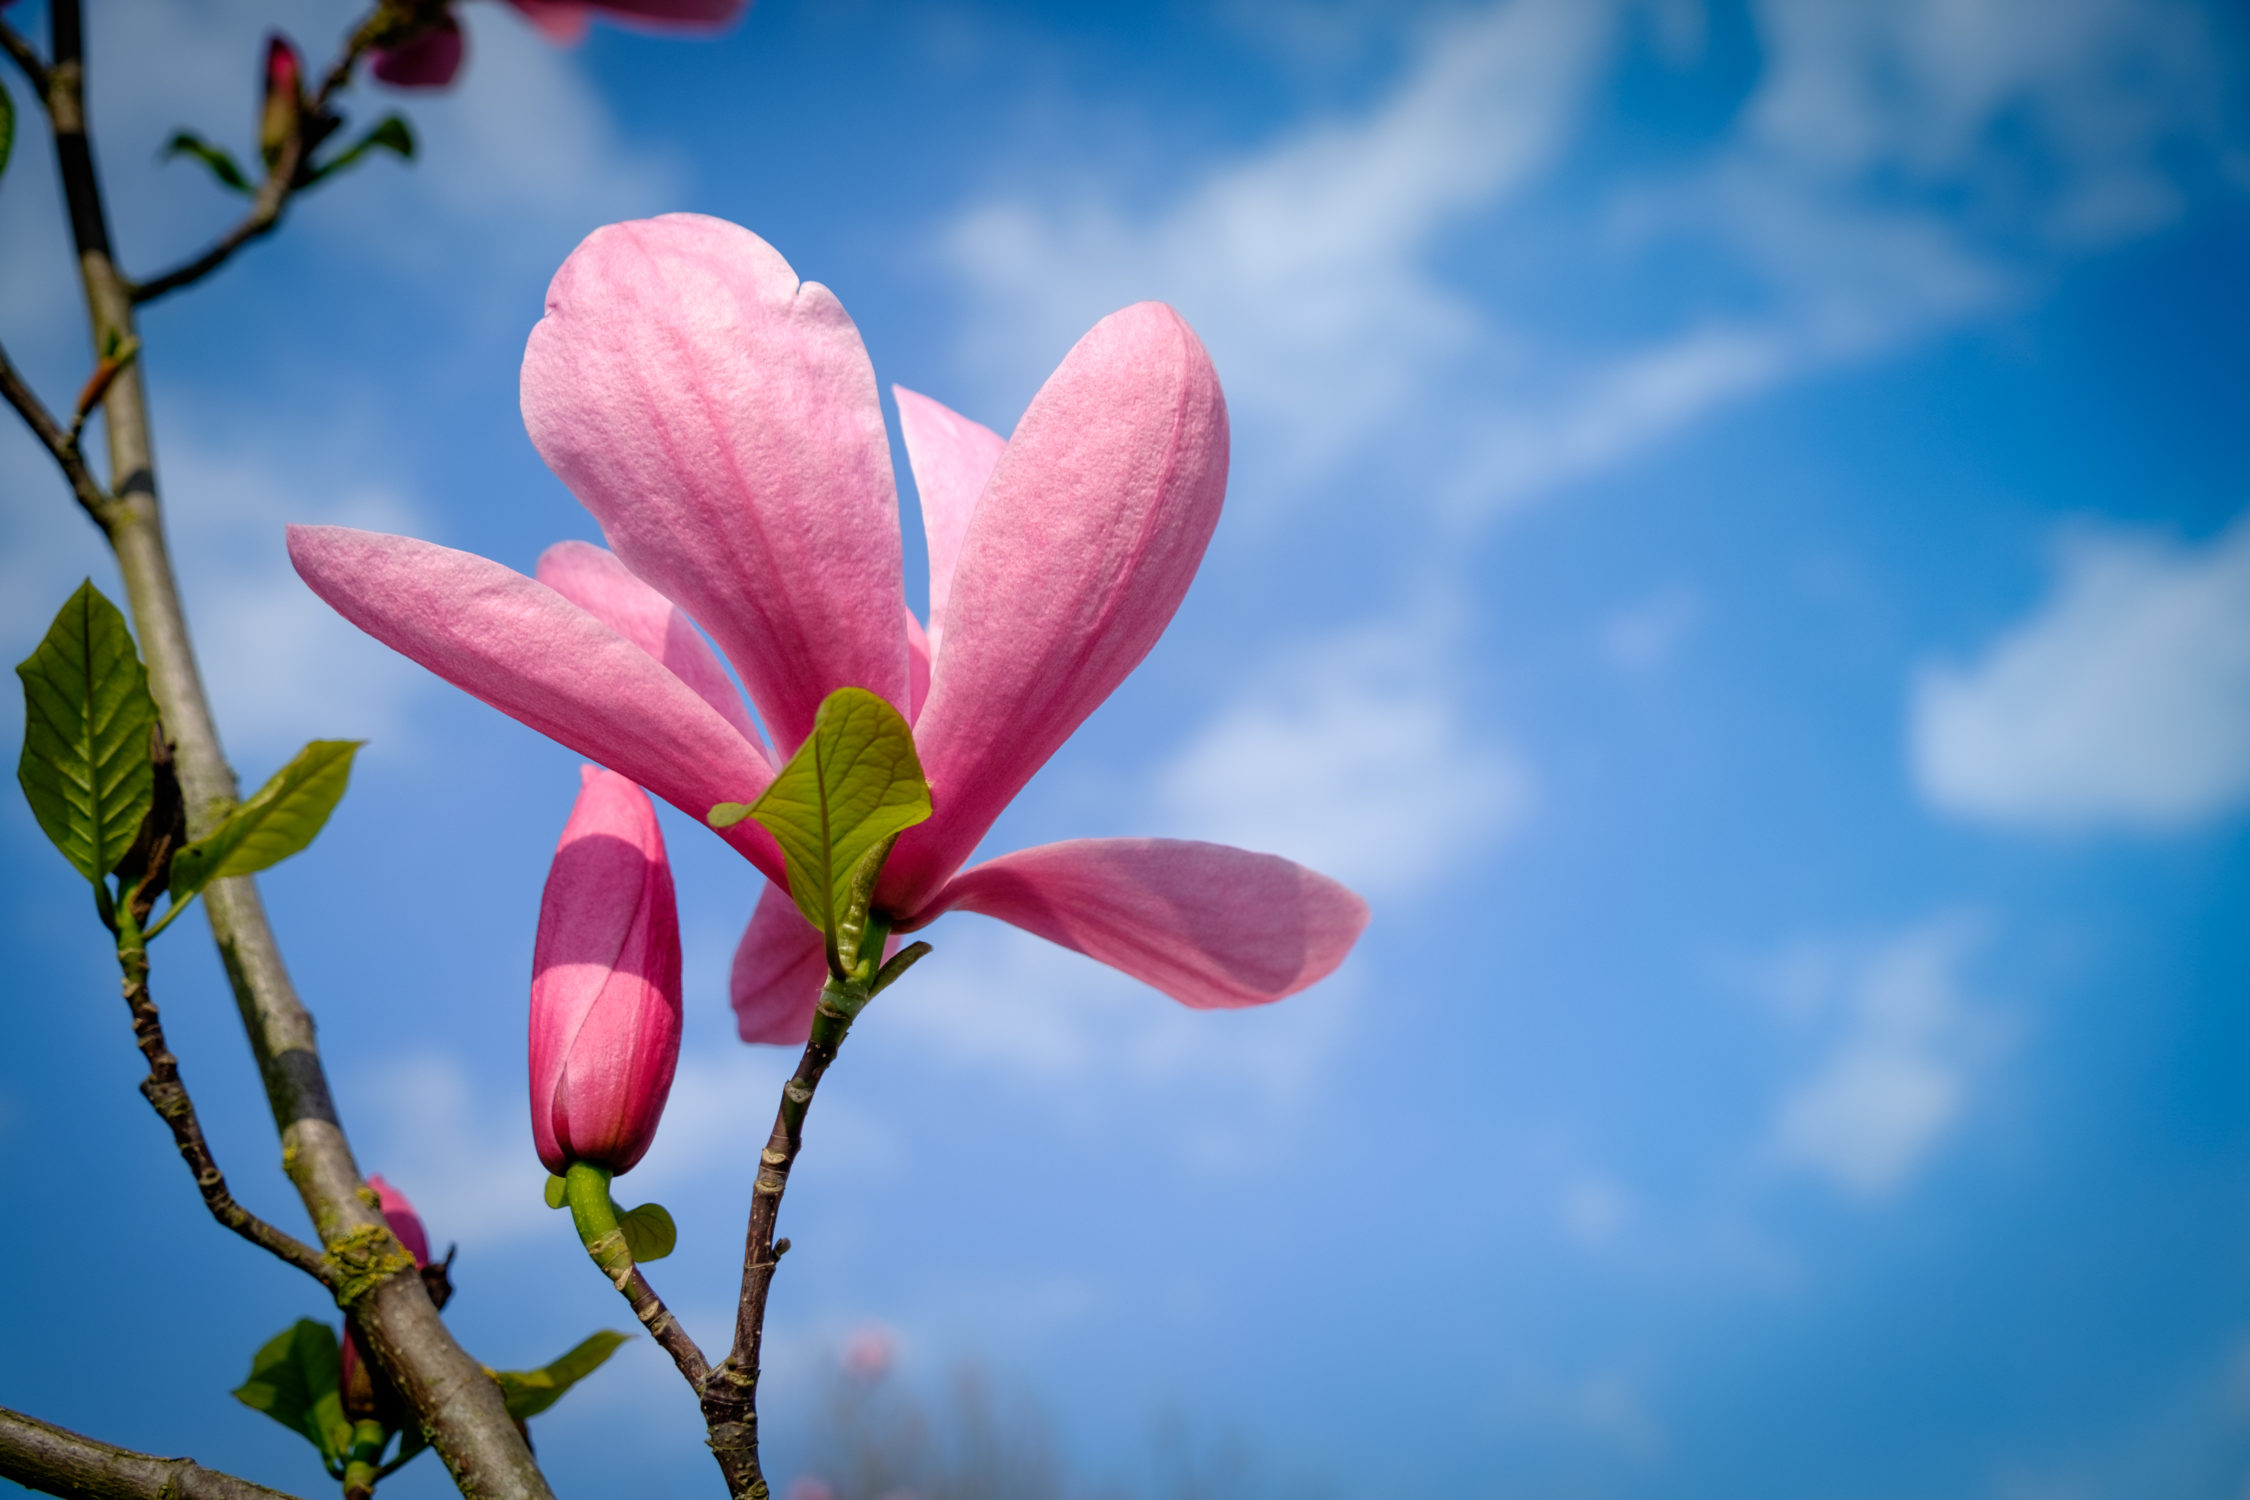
(168, 1096)
(17, 46)
(84, 488)
(730, 1396)
(57, 1461)
(285, 175)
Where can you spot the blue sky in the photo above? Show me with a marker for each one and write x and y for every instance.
(1737, 545)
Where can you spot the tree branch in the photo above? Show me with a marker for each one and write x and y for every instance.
(57, 1461)
(168, 1096)
(285, 175)
(86, 489)
(17, 46)
(459, 1406)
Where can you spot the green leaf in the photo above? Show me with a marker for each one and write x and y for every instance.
(851, 788)
(293, 1380)
(284, 816)
(85, 766)
(556, 1187)
(649, 1231)
(188, 143)
(530, 1392)
(390, 134)
(7, 126)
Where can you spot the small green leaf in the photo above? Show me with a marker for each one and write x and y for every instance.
(284, 816)
(85, 766)
(293, 1380)
(726, 814)
(7, 126)
(390, 134)
(530, 1392)
(851, 788)
(188, 143)
(556, 1187)
(649, 1231)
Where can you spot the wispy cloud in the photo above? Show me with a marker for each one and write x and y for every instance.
(1905, 1039)
(1866, 195)
(1357, 755)
(2122, 701)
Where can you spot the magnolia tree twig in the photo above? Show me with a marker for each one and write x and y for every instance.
(284, 176)
(456, 1403)
(61, 445)
(17, 46)
(730, 1395)
(168, 1096)
(57, 1461)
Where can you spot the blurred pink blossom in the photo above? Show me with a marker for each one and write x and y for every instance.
(870, 1354)
(429, 59)
(808, 1488)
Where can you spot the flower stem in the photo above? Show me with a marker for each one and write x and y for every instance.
(594, 1213)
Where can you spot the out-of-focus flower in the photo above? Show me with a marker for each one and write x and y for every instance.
(870, 1354)
(806, 1487)
(605, 983)
(430, 56)
(721, 419)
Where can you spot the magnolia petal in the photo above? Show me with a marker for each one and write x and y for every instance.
(779, 968)
(1079, 551)
(1213, 927)
(720, 418)
(543, 661)
(917, 666)
(595, 581)
(565, 21)
(952, 458)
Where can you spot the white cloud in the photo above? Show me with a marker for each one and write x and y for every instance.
(1354, 755)
(1894, 1079)
(2124, 700)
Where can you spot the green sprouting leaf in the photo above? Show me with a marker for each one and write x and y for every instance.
(85, 766)
(530, 1392)
(284, 816)
(556, 1188)
(293, 1380)
(7, 126)
(851, 788)
(188, 143)
(649, 1231)
(390, 134)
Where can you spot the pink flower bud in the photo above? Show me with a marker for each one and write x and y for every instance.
(605, 983)
(426, 60)
(404, 1221)
(285, 95)
(358, 1390)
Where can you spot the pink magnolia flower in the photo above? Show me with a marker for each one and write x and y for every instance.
(721, 420)
(430, 58)
(605, 983)
(870, 1353)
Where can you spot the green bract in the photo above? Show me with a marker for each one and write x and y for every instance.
(87, 716)
(281, 819)
(835, 809)
(217, 158)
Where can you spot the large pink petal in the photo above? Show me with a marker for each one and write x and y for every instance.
(719, 417)
(540, 659)
(779, 968)
(605, 588)
(952, 458)
(1211, 926)
(1077, 556)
